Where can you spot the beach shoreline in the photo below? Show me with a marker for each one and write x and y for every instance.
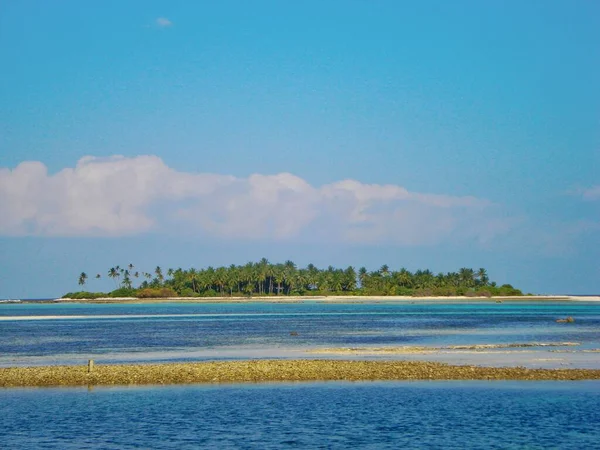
(326, 299)
(257, 371)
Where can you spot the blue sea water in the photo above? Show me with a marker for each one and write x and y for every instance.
(461, 415)
(381, 415)
(109, 333)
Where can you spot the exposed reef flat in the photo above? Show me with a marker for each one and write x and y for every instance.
(424, 349)
(274, 370)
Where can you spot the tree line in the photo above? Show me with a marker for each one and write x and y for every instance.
(263, 278)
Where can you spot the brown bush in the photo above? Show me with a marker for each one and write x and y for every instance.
(156, 293)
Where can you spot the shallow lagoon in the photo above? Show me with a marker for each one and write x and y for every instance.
(309, 415)
(34, 334)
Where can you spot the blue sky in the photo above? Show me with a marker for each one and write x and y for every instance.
(419, 134)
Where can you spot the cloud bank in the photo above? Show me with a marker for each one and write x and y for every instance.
(120, 196)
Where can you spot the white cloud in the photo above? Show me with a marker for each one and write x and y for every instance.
(592, 193)
(124, 196)
(163, 22)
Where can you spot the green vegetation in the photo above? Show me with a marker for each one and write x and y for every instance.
(84, 295)
(266, 279)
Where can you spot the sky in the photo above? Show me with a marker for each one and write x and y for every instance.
(429, 134)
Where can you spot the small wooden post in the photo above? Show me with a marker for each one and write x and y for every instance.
(90, 365)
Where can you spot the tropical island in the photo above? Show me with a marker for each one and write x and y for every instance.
(265, 279)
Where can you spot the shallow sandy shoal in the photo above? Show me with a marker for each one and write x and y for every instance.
(273, 370)
(479, 348)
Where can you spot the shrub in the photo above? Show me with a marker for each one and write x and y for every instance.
(123, 292)
(423, 293)
(211, 293)
(506, 290)
(484, 293)
(156, 293)
(446, 291)
(403, 290)
(187, 292)
(82, 295)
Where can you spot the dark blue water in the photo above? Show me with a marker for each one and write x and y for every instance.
(458, 415)
(164, 332)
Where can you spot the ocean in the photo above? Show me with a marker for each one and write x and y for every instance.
(421, 414)
(390, 415)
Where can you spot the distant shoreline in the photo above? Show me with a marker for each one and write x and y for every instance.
(325, 299)
(272, 371)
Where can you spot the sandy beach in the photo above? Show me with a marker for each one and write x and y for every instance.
(332, 299)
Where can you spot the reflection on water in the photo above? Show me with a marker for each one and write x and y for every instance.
(71, 333)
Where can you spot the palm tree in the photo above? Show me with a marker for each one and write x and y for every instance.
(247, 277)
(312, 276)
(262, 274)
(404, 278)
(98, 276)
(119, 272)
(483, 277)
(362, 276)
(336, 281)
(221, 278)
(467, 276)
(349, 279)
(278, 276)
(82, 278)
(385, 270)
(301, 280)
(453, 279)
(159, 274)
(114, 274)
(193, 274)
(440, 280)
(289, 274)
(126, 279)
(208, 278)
(269, 272)
(424, 279)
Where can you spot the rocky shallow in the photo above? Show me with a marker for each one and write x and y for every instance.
(274, 370)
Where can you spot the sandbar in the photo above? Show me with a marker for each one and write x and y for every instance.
(425, 349)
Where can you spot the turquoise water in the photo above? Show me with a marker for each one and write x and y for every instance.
(391, 415)
(72, 333)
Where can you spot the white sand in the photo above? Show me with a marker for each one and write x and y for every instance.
(332, 298)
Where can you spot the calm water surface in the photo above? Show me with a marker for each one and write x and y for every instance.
(306, 415)
(71, 333)
(459, 415)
